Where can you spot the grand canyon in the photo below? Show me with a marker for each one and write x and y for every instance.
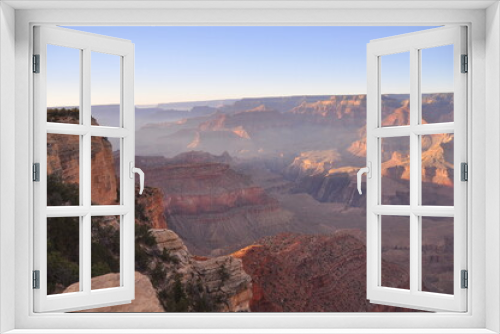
(251, 205)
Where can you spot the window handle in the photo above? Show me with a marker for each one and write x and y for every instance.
(141, 175)
(368, 171)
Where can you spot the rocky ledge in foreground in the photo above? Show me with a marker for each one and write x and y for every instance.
(176, 281)
(194, 283)
(145, 295)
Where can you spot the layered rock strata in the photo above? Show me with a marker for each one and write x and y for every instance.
(307, 273)
(214, 208)
(221, 281)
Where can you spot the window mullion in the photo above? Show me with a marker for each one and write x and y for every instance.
(414, 171)
(86, 87)
(86, 169)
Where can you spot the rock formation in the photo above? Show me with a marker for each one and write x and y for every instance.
(265, 127)
(314, 163)
(217, 284)
(213, 208)
(104, 181)
(313, 273)
(335, 184)
(150, 205)
(349, 109)
(253, 159)
(63, 156)
(168, 277)
(145, 295)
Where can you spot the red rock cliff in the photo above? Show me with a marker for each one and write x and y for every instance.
(304, 273)
(214, 208)
(63, 155)
(150, 208)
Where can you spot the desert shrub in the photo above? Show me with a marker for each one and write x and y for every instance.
(60, 193)
(143, 240)
(165, 256)
(223, 273)
(140, 211)
(158, 274)
(174, 299)
(103, 260)
(143, 236)
(56, 114)
(60, 271)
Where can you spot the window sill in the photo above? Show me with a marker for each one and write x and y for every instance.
(252, 331)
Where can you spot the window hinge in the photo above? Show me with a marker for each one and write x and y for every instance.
(36, 172)
(36, 63)
(465, 279)
(464, 171)
(36, 279)
(465, 64)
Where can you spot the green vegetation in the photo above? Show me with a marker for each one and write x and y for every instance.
(63, 240)
(158, 274)
(175, 298)
(140, 211)
(165, 256)
(160, 266)
(63, 237)
(62, 253)
(58, 114)
(143, 240)
(223, 273)
(186, 298)
(105, 248)
(61, 193)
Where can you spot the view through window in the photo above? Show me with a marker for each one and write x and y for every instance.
(250, 139)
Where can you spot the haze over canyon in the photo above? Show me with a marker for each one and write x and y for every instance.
(251, 204)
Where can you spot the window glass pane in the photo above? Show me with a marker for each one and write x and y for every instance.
(437, 84)
(63, 84)
(63, 254)
(63, 170)
(437, 169)
(105, 182)
(437, 254)
(105, 89)
(105, 252)
(395, 170)
(395, 89)
(395, 251)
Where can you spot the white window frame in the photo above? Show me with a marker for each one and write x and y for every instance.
(413, 44)
(484, 266)
(86, 44)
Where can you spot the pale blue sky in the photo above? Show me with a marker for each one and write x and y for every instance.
(174, 64)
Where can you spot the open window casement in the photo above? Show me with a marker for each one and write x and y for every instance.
(67, 147)
(402, 57)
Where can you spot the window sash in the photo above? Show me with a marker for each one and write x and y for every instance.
(413, 298)
(86, 297)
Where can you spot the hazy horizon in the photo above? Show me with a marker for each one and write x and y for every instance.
(192, 64)
(238, 98)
